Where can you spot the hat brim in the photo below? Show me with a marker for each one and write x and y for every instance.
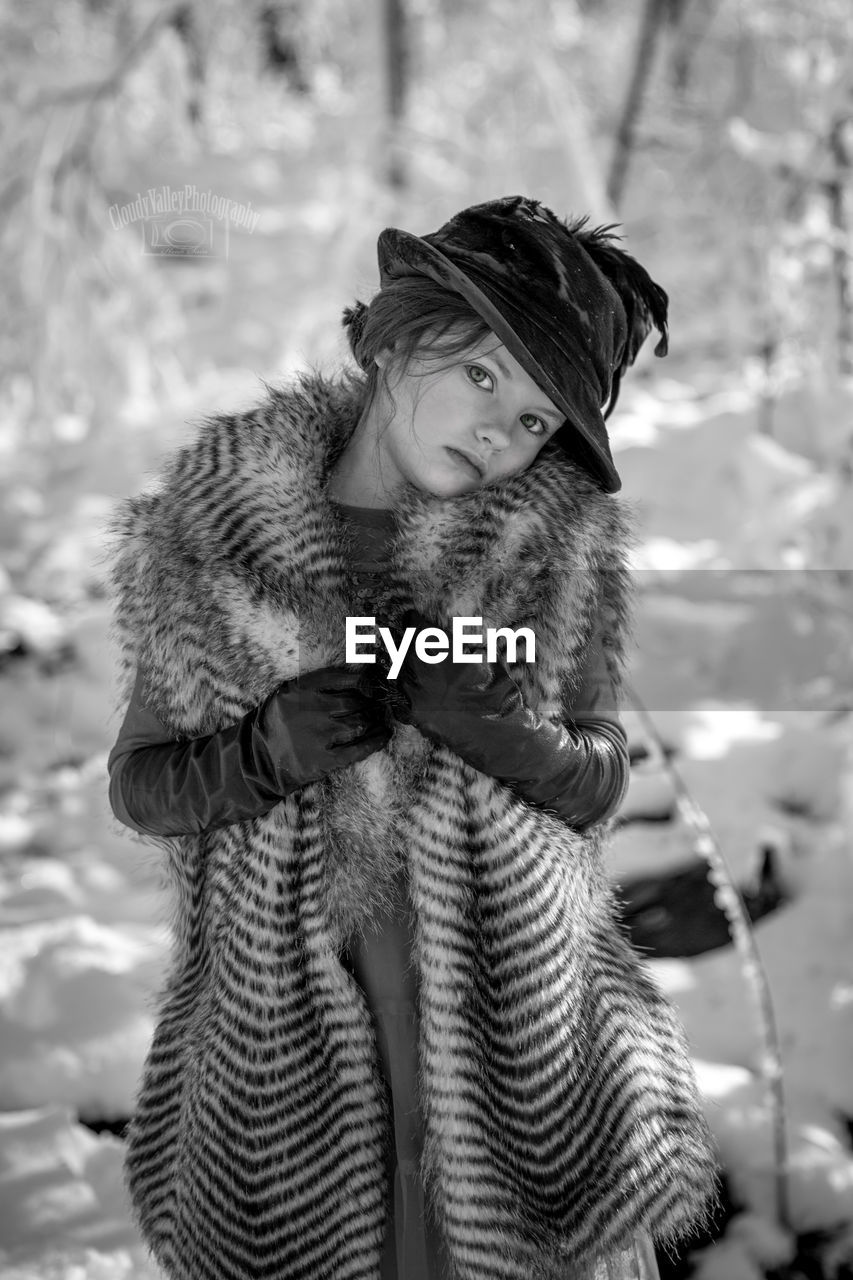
(401, 254)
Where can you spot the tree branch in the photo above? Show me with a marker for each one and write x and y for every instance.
(94, 91)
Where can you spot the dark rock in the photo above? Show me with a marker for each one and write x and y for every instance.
(676, 914)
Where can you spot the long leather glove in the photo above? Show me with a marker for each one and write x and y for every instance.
(477, 709)
(310, 726)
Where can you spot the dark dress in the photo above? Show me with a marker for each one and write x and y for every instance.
(382, 963)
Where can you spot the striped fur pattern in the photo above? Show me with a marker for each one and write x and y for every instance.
(560, 1108)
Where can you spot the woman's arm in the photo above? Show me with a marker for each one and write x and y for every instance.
(159, 786)
(308, 727)
(578, 768)
(591, 783)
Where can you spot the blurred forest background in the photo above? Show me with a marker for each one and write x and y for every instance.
(720, 134)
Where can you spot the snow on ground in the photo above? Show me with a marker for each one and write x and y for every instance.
(63, 1211)
(805, 949)
(82, 948)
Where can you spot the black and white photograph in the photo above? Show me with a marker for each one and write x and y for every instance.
(426, 640)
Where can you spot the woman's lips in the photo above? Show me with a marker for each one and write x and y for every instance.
(462, 461)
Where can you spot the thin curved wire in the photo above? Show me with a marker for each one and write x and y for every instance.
(728, 898)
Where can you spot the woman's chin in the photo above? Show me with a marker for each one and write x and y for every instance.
(442, 488)
(448, 484)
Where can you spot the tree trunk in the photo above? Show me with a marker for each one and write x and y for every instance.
(395, 35)
(690, 24)
(841, 150)
(654, 16)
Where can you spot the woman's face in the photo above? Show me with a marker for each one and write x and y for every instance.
(481, 404)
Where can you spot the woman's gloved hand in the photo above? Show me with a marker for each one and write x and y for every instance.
(311, 725)
(478, 710)
(314, 724)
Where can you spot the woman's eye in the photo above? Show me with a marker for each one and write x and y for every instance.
(479, 376)
(530, 420)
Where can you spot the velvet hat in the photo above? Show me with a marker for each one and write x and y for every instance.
(571, 307)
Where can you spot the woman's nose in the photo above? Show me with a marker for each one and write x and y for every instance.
(497, 434)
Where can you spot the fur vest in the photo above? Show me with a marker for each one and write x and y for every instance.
(560, 1108)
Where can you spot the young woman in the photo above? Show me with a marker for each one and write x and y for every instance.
(402, 1034)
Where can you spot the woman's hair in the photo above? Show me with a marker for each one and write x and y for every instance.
(411, 316)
